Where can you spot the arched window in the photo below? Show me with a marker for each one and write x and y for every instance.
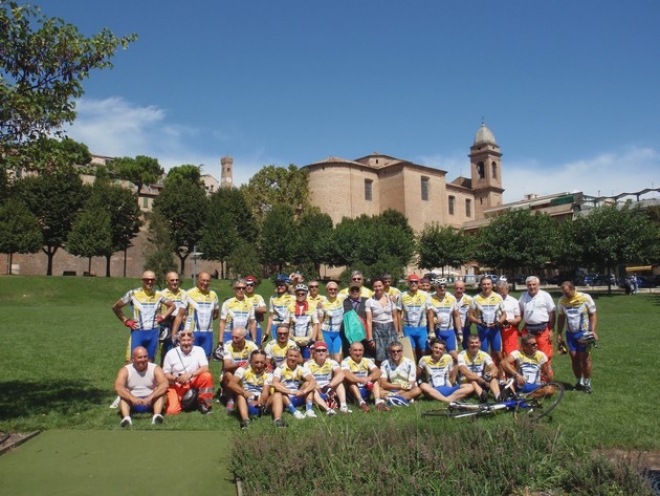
(494, 167)
(481, 172)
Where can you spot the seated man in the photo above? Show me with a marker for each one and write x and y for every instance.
(527, 367)
(293, 387)
(439, 370)
(398, 377)
(252, 388)
(141, 386)
(187, 367)
(236, 354)
(361, 377)
(478, 369)
(276, 349)
(329, 379)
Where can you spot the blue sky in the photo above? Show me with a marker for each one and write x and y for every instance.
(570, 89)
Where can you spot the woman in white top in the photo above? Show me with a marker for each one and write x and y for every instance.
(381, 320)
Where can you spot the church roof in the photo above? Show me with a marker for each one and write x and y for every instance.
(484, 136)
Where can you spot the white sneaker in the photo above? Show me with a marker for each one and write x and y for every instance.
(344, 409)
(115, 403)
(310, 414)
(126, 422)
(298, 414)
(331, 412)
(157, 419)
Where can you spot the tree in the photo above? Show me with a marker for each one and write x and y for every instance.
(123, 211)
(182, 173)
(312, 233)
(610, 236)
(43, 62)
(273, 186)
(229, 221)
(91, 235)
(276, 246)
(55, 200)
(439, 246)
(244, 259)
(140, 170)
(184, 205)
(159, 254)
(516, 239)
(19, 230)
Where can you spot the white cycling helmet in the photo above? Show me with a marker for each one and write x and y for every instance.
(301, 287)
(437, 281)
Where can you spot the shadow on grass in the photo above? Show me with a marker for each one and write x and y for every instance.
(29, 398)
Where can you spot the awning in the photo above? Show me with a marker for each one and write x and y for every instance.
(639, 268)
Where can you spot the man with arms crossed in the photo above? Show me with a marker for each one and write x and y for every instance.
(141, 385)
(578, 312)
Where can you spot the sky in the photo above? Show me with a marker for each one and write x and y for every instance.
(571, 90)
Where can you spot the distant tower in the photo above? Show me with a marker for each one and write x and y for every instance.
(486, 166)
(227, 175)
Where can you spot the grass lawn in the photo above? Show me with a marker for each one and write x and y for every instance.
(62, 347)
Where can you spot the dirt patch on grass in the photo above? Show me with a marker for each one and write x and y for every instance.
(11, 440)
(648, 460)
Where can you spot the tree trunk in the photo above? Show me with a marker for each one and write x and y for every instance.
(10, 257)
(107, 265)
(89, 265)
(50, 253)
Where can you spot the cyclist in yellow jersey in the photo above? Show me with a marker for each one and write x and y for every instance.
(487, 311)
(361, 378)
(331, 313)
(236, 354)
(276, 349)
(477, 368)
(444, 317)
(176, 295)
(398, 377)
(259, 304)
(201, 309)
(577, 311)
(413, 308)
(528, 366)
(356, 278)
(252, 388)
(440, 373)
(293, 387)
(314, 297)
(237, 312)
(278, 305)
(147, 305)
(329, 378)
(303, 321)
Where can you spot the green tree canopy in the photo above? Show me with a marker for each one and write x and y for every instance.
(55, 200)
(313, 232)
(140, 170)
(276, 235)
(91, 235)
(439, 246)
(43, 62)
(19, 229)
(273, 186)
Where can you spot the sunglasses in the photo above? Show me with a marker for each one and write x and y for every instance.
(241, 288)
(249, 284)
(313, 287)
(356, 279)
(149, 280)
(322, 350)
(396, 351)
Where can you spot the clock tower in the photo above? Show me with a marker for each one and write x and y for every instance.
(227, 174)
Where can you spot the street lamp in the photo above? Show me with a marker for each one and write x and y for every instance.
(195, 255)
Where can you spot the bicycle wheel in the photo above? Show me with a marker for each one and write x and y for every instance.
(537, 406)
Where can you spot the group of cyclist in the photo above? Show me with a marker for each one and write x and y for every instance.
(293, 351)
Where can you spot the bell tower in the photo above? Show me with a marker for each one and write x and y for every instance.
(227, 174)
(486, 169)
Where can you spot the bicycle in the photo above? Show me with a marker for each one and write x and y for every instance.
(533, 405)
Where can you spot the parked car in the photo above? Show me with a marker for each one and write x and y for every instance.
(589, 279)
(642, 282)
(656, 280)
(602, 280)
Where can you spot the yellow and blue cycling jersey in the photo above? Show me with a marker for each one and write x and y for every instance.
(252, 382)
(236, 355)
(322, 373)
(276, 352)
(476, 364)
(530, 367)
(278, 305)
(404, 374)
(437, 373)
(577, 310)
(146, 306)
(314, 302)
(414, 307)
(201, 307)
(292, 379)
(463, 305)
(362, 369)
(443, 308)
(333, 315)
(489, 308)
(364, 292)
(301, 320)
(237, 313)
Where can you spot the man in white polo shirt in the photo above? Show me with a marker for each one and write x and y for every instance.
(538, 317)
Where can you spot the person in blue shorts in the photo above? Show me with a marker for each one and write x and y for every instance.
(527, 367)
(439, 374)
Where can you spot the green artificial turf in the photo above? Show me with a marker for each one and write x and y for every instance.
(104, 463)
